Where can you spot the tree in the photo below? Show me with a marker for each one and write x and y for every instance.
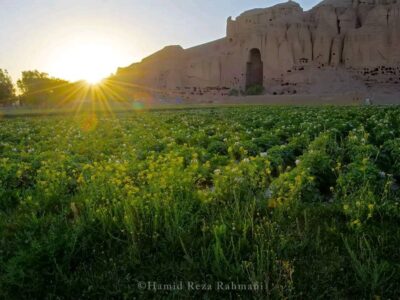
(7, 90)
(38, 88)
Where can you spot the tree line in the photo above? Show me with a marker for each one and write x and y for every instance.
(38, 89)
(34, 89)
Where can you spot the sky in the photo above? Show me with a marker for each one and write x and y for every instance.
(85, 39)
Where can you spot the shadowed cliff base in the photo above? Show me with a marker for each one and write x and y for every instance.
(304, 99)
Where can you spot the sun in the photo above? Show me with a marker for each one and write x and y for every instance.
(93, 79)
(88, 59)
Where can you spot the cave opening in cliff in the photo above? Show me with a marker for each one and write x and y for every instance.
(254, 74)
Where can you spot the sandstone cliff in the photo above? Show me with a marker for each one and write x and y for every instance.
(337, 46)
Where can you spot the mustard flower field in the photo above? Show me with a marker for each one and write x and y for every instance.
(302, 201)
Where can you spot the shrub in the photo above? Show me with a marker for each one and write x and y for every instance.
(233, 92)
(217, 147)
(255, 89)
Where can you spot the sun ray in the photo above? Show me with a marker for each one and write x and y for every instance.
(143, 87)
(82, 99)
(67, 95)
(103, 98)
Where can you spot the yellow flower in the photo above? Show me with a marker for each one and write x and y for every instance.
(272, 203)
(80, 179)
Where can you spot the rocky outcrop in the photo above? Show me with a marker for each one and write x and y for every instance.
(360, 39)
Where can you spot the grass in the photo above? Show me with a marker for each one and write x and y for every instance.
(301, 201)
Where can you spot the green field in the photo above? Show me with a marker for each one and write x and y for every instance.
(303, 201)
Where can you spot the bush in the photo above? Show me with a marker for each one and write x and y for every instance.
(217, 147)
(267, 141)
(251, 148)
(255, 89)
(233, 92)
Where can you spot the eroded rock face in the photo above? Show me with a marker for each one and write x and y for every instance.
(360, 39)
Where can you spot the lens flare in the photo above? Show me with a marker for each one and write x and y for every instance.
(89, 122)
(138, 105)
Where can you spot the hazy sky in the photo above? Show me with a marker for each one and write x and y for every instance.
(49, 35)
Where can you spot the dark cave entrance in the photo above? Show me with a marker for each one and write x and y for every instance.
(254, 74)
